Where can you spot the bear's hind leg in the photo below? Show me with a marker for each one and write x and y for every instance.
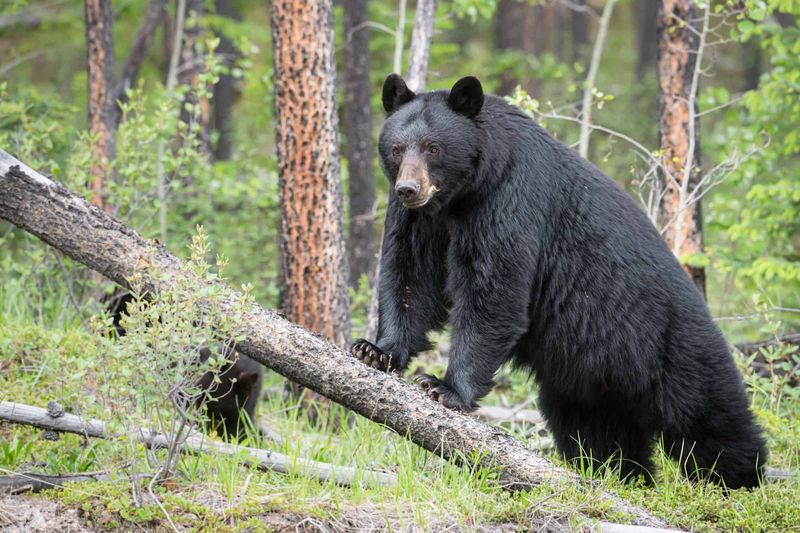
(599, 438)
(732, 453)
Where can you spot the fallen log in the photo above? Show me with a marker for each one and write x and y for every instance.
(748, 348)
(196, 443)
(81, 231)
(783, 366)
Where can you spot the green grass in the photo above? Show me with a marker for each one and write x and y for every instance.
(38, 364)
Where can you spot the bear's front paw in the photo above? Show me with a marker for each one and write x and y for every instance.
(439, 391)
(371, 355)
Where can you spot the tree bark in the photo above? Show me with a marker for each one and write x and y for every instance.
(101, 93)
(679, 42)
(83, 232)
(359, 147)
(225, 92)
(580, 30)
(645, 13)
(191, 67)
(420, 51)
(750, 53)
(133, 64)
(314, 266)
(519, 27)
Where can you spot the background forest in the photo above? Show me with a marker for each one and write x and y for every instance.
(171, 115)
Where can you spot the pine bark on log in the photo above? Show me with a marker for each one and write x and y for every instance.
(678, 34)
(314, 266)
(94, 238)
(101, 93)
(359, 147)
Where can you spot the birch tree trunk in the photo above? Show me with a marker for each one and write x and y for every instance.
(359, 146)
(314, 266)
(101, 93)
(679, 42)
(421, 37)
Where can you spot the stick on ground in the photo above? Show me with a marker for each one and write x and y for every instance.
(197, 443)
(70, 224)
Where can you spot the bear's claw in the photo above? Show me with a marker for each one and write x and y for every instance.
(371, 355)
(439, 391)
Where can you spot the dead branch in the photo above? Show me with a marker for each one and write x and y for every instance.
(196, 443)
(18, 483)
(67, 222)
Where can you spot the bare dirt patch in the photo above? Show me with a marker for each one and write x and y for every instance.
(26, 514)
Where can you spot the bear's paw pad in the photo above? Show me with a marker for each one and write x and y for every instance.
(371, 355)
(439, 391)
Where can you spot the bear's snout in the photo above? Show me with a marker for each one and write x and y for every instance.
(413, 186)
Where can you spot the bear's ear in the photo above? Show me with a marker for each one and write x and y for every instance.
(466, 97)
(395, 93)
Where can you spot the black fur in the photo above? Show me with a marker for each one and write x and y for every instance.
(231, 402)
(534, 256)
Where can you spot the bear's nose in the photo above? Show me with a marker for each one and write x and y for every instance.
(406, 190)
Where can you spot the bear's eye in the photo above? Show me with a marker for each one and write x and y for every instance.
(433, 149)
(397, 150)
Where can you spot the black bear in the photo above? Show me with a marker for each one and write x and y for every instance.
(230, 401)
(533, 255)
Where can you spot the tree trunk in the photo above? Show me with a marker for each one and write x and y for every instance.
(314, 266)
(191, 66)
(751, 62)
(420, 51)
(560, 26)
(225, 92)
(580, 30)
(519, 27)
(359, 147)
(133, 64)
(67, 222)
(101, 93)
(645, 13)
(679, 41)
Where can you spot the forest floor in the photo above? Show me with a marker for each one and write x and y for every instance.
(215, 493)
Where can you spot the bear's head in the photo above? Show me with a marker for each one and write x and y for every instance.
(430, 143)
